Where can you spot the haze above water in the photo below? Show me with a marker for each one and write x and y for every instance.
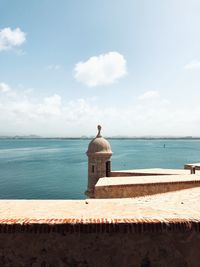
(57, 169)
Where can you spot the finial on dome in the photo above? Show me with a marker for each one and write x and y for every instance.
(99, 131)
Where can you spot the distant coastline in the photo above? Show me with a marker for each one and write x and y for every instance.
(108, 137)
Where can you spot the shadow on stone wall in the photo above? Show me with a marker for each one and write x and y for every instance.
(175, 249)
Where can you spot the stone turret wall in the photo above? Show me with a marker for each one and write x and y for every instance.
(96, 169)
(99, 152)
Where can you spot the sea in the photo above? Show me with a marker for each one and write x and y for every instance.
(57, 168)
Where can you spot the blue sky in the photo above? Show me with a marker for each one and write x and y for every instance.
(132, 66)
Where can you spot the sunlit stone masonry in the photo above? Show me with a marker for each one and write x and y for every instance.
(105, 183)
(132, 218)
(99, 164)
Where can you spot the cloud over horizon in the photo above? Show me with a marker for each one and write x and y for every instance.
(4, 88)
(149, 95)
(22, 113)
(195, 64)
(101, 70)
(11, 38)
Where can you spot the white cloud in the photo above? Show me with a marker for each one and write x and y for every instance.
(51, 106)
(10, 38)
(4, 88)
(195, 64)
(149, 95)
(101, 70)
(23, 113)
(53, 67)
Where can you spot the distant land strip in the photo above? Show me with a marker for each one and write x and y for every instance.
(107, 137)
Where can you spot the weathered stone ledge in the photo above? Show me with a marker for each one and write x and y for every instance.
(150, 172)
(126, 187)
(160, 230)
(99, 226)
(174, 211)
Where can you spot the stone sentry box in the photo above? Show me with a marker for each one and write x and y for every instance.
(99, 164)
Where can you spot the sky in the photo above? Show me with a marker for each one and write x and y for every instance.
(132, 66)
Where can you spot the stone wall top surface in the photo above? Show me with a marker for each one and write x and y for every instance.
(176, 206)
(191, 165)
(156, 171)
(138, 180)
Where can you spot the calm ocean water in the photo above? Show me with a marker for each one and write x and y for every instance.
(57, 169)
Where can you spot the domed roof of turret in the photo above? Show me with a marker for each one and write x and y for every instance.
(99, 145)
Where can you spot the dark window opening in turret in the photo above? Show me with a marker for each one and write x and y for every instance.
(92, 168)
(108, 168)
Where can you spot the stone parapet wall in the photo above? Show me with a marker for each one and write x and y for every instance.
(99, 226)
(154, 231)
(138, 190)
(120, 174)
(150, 172)
(133, 243)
